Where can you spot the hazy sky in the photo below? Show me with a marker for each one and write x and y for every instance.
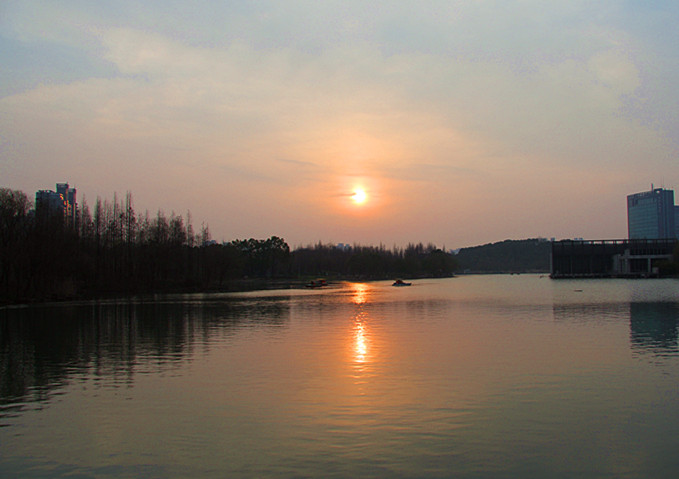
(466, 122)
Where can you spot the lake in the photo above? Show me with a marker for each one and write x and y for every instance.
(467, 377)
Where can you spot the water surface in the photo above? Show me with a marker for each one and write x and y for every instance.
(478, 376)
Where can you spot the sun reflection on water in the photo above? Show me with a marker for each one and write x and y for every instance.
(361, 343)
(360, 293)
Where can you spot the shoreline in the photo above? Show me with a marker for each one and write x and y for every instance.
(234, 286)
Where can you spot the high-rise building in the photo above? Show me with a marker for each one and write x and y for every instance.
(61, 202)
(651, 214)
(70, 205)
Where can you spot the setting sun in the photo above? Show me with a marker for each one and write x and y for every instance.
(359, 196)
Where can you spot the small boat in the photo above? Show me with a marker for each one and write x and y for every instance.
(316, 284)
(400, 282)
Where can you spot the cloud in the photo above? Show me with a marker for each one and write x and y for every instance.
(480, 103)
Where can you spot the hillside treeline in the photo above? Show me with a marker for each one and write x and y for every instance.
(510, 256)
(111, 249)
(371, 262)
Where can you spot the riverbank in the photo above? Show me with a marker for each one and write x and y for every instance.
(231, 286)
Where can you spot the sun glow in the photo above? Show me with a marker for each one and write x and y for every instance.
(359, 196)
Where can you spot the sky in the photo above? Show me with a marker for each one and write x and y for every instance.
(464, 122)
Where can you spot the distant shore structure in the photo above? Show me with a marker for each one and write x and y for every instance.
(652, 215)
(61, 202)
(610, 258)
(653, 231)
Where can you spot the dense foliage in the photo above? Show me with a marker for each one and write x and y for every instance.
(112, 249)
(510, 256)
(371, 262)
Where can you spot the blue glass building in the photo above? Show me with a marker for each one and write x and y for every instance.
(651, 215)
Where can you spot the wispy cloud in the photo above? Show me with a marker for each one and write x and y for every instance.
(491, 105)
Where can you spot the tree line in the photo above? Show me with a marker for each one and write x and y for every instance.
(373, 262)
(111, 249)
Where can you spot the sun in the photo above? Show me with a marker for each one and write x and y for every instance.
(359, 196)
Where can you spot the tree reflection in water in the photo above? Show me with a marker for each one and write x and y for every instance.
(45, 347)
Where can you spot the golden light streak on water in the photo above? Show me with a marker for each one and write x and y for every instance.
(360, 293)
(361, 343)
(360, 297)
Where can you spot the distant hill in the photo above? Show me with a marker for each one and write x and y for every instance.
(509, 256)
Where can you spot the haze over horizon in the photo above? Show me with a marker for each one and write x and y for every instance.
(463, 123)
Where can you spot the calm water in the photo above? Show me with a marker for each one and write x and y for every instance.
(480, 376)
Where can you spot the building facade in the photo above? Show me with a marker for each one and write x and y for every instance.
(639, 258)
(61, 202)
(652, 215)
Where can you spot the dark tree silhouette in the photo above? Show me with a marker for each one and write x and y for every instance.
(113, 250)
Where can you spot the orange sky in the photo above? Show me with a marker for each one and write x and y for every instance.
(465, 123)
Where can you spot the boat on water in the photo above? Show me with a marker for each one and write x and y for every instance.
(400, 282)
(317, 283)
